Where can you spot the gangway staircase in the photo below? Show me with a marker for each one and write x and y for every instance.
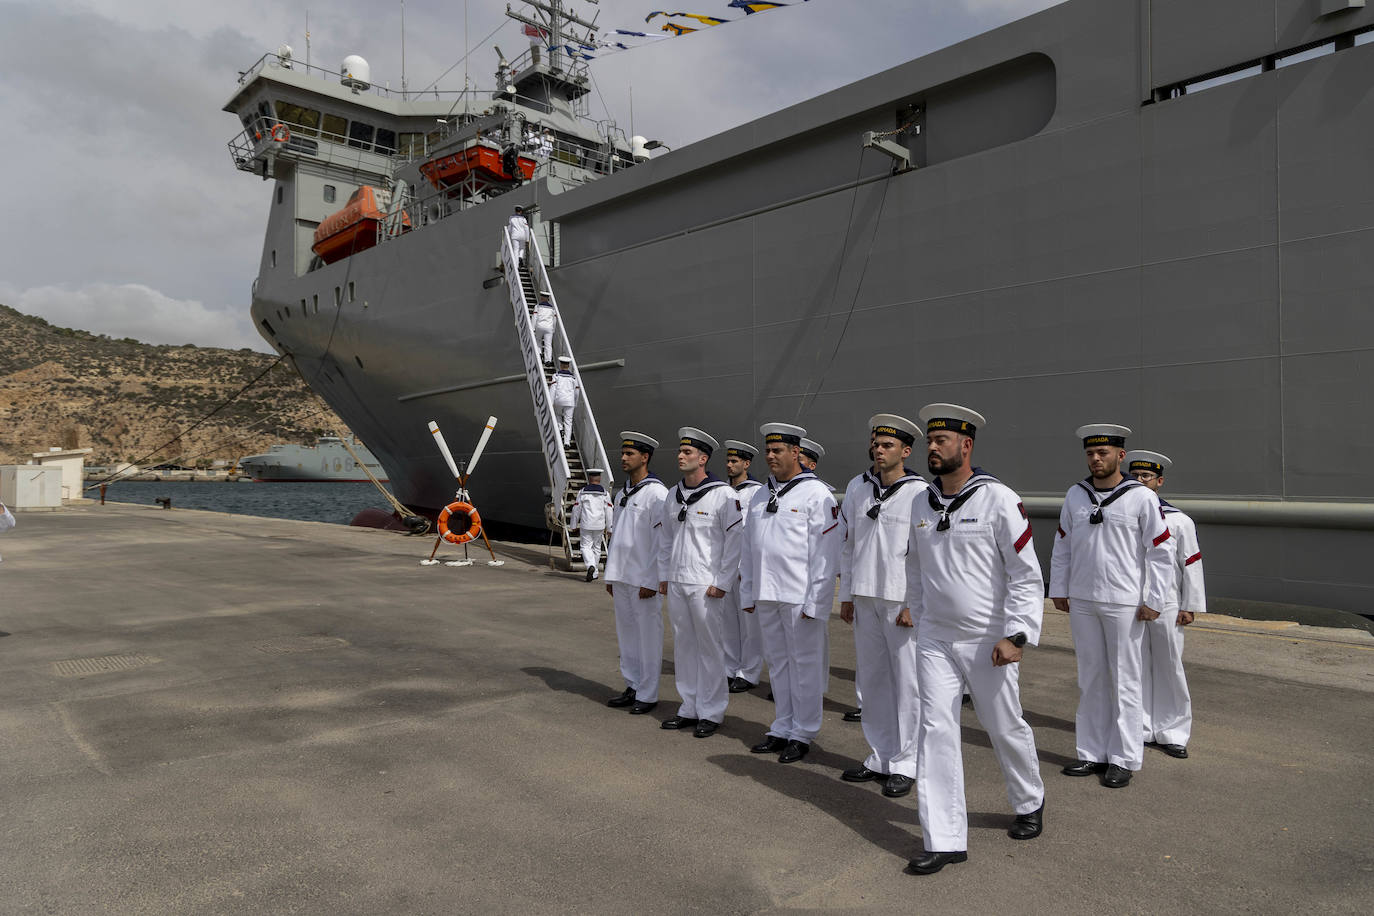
(566, 465)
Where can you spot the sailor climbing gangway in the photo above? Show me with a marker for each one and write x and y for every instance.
(567, 465)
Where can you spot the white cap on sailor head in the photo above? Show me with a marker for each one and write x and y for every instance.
(781, 432)
(812, 449)
(889, 424)
(741, 449)
(638, 441)
(1141, 460)
(565, 360)
(951, 417)
(697, 439)
(594, 472)
(1103, 434)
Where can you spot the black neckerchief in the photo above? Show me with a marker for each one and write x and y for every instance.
(936, 496)
(700, 490)
(1095, 518)
(880, 493)
(627, 491)
(774, 494)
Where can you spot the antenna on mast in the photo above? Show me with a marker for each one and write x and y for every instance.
(403, 48)
(307, 40)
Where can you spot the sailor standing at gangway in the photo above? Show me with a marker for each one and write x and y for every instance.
(545, 321)
(1167, 705)
(743, 640)
(632, 575)
(591, 518)
(519, 229)
(564, 390)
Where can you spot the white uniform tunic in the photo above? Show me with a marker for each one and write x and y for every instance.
(1168, 706)
(563, 393)
(6, 519)
(873, 575)
(519, 235)
(699, 548)
(787, 574)
(1107, 571)
(592, 516)
(969, 586)
(742, 640)
(632, 564)
(545, 320)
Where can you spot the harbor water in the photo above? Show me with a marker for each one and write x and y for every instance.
(311, 502)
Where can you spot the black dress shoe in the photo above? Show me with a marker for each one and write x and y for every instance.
(678, 722)
(770, 696)
(705, 729)
(1084, 768)
(1027, 826)
(1174, 750)
(1116, 777)
(928, 863)
(856, 715)
(591, 573)
(897, 785)
(770, 744)
(794, 751)
(625, 699)
(739, 685)
(640, 707)
(862, 774)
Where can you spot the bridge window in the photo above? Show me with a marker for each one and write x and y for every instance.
(329, 193)
(360, 135)
(300, 119)
(412, 145)
(386, 140)
(335, 127)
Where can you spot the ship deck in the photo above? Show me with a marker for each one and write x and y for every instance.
(221, 714)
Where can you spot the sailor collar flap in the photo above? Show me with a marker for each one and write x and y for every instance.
(881, 493)
(700, 490)
(937, 504)
(775, 493)
(1095, 518)
(627, 491)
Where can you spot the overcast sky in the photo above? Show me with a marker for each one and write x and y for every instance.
(127, 217)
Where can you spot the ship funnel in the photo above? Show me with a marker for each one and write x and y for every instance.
(355, 73)
(638, 149)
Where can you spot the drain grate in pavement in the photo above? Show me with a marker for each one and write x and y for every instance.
(289, 645)
(80, 667)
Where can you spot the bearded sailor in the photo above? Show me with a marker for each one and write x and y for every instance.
(1167, 707)
(563, 392)
(976, 597)
(698, 571)
(1112, 566)
(787, 576)
(632, 575)
(743, 639)
(877, 516)
(591, 518)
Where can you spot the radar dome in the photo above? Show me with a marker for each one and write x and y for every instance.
(638, 149)
(355, 72)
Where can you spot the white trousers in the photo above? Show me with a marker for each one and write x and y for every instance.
(592, 540)
(1168, 707)
(519, 246)
(697, 655)
(794, 647)
(565, 421)
(885, 673)
(639, 630)
(741, 640)
(1106, 640)
(942, 669)
(545, 342)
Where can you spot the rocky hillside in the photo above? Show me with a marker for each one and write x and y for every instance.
(124, 398)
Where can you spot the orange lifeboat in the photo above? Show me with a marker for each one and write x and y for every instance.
(480, 162)
(354, 228)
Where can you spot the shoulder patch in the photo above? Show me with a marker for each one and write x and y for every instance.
(834, 512)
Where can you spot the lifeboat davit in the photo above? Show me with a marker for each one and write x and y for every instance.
(355, 227)
(479, 162)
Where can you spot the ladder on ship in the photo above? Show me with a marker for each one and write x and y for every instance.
(566, 465)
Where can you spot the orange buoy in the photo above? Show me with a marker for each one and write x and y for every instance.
(280, 133)
(474, 523)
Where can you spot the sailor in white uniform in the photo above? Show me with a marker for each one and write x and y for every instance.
(545, 320)
(6, 518)
(976, 596)
(877, 517)
(519, 229)
(632, 575)
(591, 518)
(811, 454)
(787, 576)
(743, 639)
(1168, 707)
(1112, 566)
(698, 569)
(563, 391)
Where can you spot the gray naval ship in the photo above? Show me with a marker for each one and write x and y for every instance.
(1152, 212)
(328, 460)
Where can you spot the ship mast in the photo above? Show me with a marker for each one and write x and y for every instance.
(558, 24)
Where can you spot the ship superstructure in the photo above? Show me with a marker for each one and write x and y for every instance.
(1146, 211)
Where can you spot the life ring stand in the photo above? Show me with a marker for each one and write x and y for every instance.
(474, 523)
(280, 133)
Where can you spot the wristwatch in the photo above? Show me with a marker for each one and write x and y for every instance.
(1017, 639)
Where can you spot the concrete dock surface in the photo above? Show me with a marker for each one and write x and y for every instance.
(207, 713)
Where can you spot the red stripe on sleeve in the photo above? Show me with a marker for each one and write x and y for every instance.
(1061, 532)
(831, 528)
(1024, 539)
(1162, 538)
(1193, 559)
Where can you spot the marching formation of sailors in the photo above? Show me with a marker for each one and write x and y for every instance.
(941, 583)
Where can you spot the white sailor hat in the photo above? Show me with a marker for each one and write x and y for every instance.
(594, 472)
(953, 418)
(638, 441)
(1141, 460)
(702, 441)
(1103, 434)
(740, 449)
(812, 449)
(889, 424)
(565, 359)
(781, 432)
